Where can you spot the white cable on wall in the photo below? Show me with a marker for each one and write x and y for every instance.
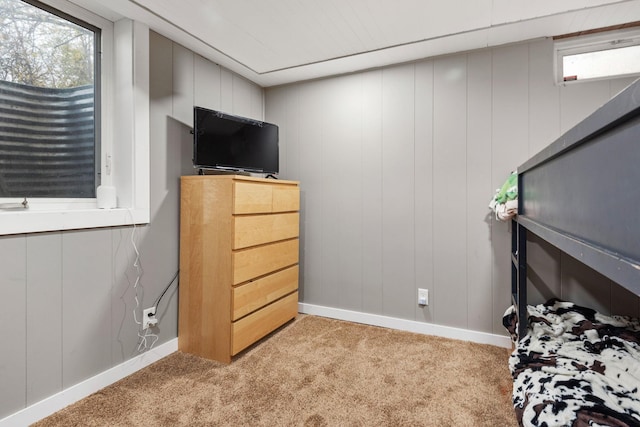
(144, 336)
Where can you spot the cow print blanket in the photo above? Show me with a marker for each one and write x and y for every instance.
(575, 367)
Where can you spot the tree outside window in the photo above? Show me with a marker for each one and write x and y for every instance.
(48, 93)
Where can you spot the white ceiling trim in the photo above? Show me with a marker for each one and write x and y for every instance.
(507, 24)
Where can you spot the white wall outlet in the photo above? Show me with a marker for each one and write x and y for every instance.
(149, 318)
(423, 296)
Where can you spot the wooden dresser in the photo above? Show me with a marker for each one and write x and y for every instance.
(238, 261)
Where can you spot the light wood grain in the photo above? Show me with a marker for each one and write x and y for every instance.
(252, 198)
(286, 198)
(209, 266)
(255, 294)
(205, 267)
(260, 260)
(251, 328)
(255, 230)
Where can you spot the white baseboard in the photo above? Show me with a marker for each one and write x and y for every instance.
(406, 325)
(66, 397)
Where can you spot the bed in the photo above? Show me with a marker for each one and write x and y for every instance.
(582, 195)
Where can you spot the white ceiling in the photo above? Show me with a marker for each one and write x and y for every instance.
(275, 42)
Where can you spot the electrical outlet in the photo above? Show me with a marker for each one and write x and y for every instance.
(423, 296)
(149, 318)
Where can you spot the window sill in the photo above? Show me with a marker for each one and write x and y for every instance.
(40, 220)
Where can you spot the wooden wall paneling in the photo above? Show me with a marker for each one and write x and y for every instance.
(44, 315)
(479, 190)
(398, 189)
(307, 107)
(424, 199)
(371, 179)
(510, 120)
(182, 84)
(450, 190)
(347, 171)
(226, 91)
(86, 304)
(13, 312)
(206, 76)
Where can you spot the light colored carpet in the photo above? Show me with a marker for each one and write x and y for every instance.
(314, 372)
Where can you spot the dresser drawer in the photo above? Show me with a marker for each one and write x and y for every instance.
(260, 260)
(286, 198)
(258, 293)
(252, 230)
(249, 197)
(252, 197)
(251, 328)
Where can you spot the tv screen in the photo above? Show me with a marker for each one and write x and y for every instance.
(225, 142)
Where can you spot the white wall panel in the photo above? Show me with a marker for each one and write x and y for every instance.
(544, 97)
(13, 388)
(330, 207)
(578, 100)
(344, 153)
(44, 315)
(287, 121)
(305, 108)
(617, 85)
(398, 188)
(510, 120)
(182, 84)
(450, 190)
(242, 99)
(371, 215)
(226, 91)
(206, 77)
(86, 304)
(423, 196)
(124, 331)
(426, 140)
(478, 182)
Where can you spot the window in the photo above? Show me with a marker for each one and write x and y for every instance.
(49, 114)
(598, 56)
(121, 123)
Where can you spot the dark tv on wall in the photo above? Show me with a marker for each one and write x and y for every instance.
(224, 142)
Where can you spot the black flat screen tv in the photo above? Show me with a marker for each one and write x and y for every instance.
(226, 142)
